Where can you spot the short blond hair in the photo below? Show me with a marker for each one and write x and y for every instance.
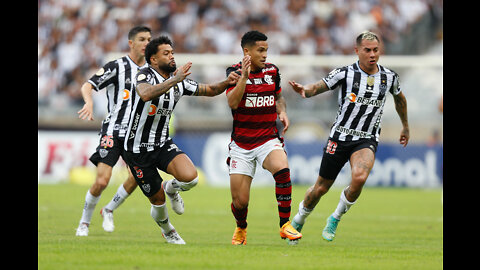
(368, 36)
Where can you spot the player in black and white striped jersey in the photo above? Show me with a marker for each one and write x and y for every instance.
(148, 145)
(355, 133)
(117, 78)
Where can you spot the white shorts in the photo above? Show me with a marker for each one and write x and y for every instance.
(244, 161)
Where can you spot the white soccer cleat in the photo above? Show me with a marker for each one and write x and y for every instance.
(173, 237)
(177, 202)
(107, 220)
(82, 229)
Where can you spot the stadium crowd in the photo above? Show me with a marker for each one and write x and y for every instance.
(74, 36)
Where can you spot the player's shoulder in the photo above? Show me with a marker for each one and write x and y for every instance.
(269, 67)
(387, 70)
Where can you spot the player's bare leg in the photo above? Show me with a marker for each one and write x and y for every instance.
(104, 172)
(120, 196)
(159, 214)
(361, 163)
(277, 164)
(240, 190)
(185, 177)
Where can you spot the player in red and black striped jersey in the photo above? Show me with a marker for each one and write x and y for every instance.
(256, 102)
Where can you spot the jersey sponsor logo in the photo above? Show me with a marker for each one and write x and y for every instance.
(126, 94)
(258, 102)
(353, 132)
(364, 101)
(152, 110)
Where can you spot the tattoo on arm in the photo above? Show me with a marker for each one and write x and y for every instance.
(316, 88)
(401, 108)
(211, 89)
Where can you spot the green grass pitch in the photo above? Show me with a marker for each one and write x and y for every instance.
(388, 228)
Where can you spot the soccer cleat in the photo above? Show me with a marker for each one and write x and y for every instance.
(177, 202)
(287, 231)
(107, 220)
(82, 229)
(239, 236)
(297, 227)
(330, 229)
(173, 237)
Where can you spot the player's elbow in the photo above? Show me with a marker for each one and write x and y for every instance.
(233, 104)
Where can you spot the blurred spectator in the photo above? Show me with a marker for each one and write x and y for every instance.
(73, 36)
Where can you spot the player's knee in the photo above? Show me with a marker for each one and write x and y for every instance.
(359, 177)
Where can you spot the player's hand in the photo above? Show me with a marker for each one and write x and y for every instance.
(284, 119)
(86, 112)
(182, 72)
(246, 62)
(298, 88)
(404, 136)
(233, 77)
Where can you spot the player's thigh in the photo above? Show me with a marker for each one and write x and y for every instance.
(240, 189)
(361, 163)
(275, 161)
(182, 168)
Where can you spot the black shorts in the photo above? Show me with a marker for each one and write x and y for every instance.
(337, 153)
(108, 150)
(144, 166)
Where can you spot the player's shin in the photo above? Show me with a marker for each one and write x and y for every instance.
(283, 193)
(159, 214)
(90, 203)
(117, 199)
(343, 205)
(174, 185)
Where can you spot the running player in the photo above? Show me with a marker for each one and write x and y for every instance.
(256, 101)
(117, 78)
(355, 133)
(148, 145)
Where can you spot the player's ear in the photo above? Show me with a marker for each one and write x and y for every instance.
(246, 51)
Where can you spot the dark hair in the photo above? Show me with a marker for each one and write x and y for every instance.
(137, 29)
(152, 46)
(251, 37)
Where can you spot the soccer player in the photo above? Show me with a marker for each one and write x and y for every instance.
(117, 78)
(148, 145)
(256, 102)
(355, 133)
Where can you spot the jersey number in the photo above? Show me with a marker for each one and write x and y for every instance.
(107, 141)
(331, 147)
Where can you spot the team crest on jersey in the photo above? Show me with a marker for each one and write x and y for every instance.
(370, 82)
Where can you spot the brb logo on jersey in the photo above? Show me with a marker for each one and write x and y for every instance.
(258, 102)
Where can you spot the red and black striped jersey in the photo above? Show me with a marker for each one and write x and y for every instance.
(254, 121)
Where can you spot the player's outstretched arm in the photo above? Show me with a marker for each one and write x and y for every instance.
(309, 90)
(401, 108)
(217, 88)
(87, 111)
(235, 95)
(148, 92)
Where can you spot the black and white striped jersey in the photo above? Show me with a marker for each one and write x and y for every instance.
(361, 100)
(117, 77)
(148, 128)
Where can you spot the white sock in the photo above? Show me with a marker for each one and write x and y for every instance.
(160, 215)
(117, 199)
(302, 214)
(90, 203)
(173, 185)
(342, 207)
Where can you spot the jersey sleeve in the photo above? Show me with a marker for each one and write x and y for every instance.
(229, 70)
(189, 87)
(104, 76)
(144, 76)
(395, 89)
(278, 87)
(335, 78)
